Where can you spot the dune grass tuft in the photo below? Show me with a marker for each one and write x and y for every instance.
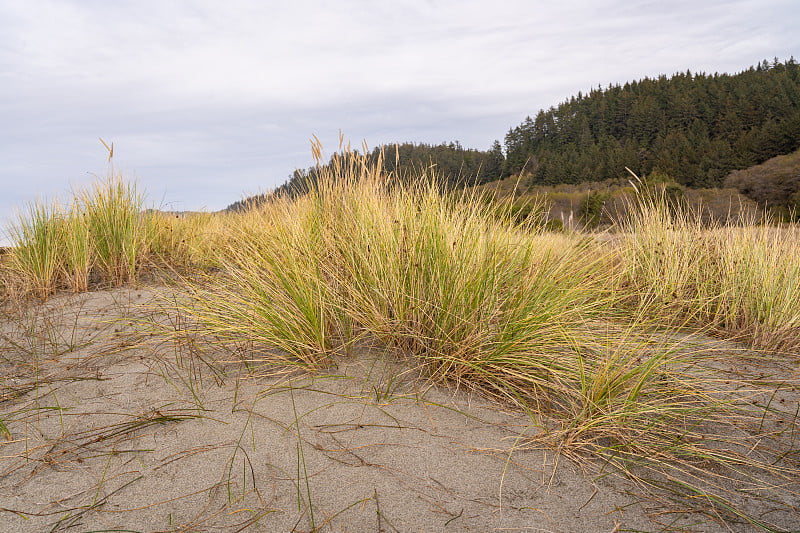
(36, 238)
(105, 235)
(112, 212)
(78, 249)
(741, 280)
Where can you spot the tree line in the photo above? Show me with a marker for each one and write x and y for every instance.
(451, 164)
(694, 128)
(690, 128)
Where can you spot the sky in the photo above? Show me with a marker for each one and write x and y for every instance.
(206, 101)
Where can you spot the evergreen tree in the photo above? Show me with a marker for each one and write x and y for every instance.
(694, 127)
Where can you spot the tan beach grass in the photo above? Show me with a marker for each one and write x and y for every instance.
(592, 340)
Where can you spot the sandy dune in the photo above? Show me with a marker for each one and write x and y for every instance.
(114, 428)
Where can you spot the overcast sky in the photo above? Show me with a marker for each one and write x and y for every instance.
(207, 100)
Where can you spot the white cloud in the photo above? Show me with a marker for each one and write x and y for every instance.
(227, 94)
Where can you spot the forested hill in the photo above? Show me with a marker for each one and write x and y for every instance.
(449, 162)
(695, 128)
(691, 128)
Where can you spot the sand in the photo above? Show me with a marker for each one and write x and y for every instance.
(116, 428)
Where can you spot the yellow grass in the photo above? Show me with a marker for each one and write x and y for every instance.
(577, 331)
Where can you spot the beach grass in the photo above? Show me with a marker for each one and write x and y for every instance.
(120, 234)
(104, 235)
(741, 280)
(587, 335)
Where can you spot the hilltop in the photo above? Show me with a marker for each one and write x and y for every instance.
(693, 129)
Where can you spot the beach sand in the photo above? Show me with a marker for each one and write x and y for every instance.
(115, 427)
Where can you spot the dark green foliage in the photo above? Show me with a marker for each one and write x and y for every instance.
(554, 224)
(525, 210)
(247, 203)
(794, 207)
(673, 193)
(591, 209)
(451, 164)
(660, 187)
(695, 128)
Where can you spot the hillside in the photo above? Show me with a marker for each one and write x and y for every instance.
(451, 162)
(774, 183)
(693, 129)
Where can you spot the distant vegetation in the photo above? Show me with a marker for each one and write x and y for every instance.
(593, 204)
(452, 164)
(694, 128)
(774, 183)
(689, 129)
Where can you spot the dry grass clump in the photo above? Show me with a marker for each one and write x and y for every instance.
(119, 233)
(36, 238)
(742, 280)
(542, 320)
(186, 239)
(105, 235)
(433, 273)
(77, 249)
(758, 270)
